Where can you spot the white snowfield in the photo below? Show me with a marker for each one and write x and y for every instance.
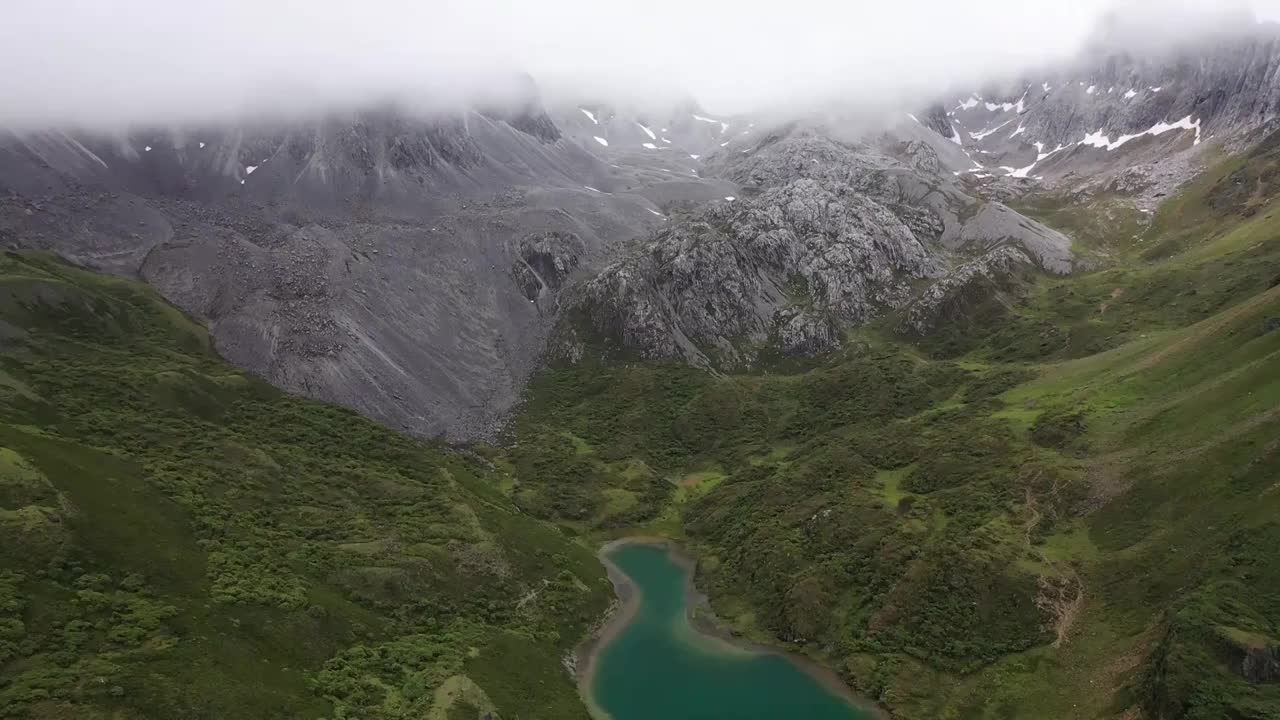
(1130, 94)
(590, 116)
(981, 134)
(647, 131)
(649, 146)
(601, 140)
(248, 169)
(1098, 140)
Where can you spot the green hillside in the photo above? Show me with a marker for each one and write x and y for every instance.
(178, 539)
(1065, 504)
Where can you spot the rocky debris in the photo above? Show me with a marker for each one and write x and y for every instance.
(952, 298)
(802, 332)
(995, 223)
(935, 118)
(368, 258)
(934, 206)
(922, 157)
(827, 235)
(739, 270)
(545, 261)
(1120, 117)
(805, 152)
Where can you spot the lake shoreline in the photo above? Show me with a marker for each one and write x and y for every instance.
(704, 622)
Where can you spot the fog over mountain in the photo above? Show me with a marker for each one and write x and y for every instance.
(89, 62)
(943, 336)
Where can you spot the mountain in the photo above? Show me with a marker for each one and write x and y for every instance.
(1133, 118)
(377, 258)
(826, 236)
(1043, 495)
(975, 405)
(991, 443)
(179, 538)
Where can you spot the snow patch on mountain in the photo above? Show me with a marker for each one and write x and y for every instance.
(1098, 140)
(984, 133)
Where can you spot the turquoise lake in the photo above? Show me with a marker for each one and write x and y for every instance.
(659, 668)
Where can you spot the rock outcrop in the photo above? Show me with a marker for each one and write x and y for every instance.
(826, 237)
(952, 299)
(404, 265)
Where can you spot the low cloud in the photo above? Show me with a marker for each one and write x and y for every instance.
(110, 63)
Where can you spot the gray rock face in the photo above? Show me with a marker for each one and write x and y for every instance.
(826, 237)
(1261, 665)
(683, 130)
(412, 267)
(804, 332)
(736, 271)
(402, 265)
(950, 299)
(545, 262)
(994, 224)
(1117, 108)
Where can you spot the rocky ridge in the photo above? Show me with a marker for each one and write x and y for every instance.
(825, 237)
(405, 265)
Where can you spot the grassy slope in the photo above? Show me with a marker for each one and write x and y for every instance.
(178, 539)
(1061, 509)
(1067, 512)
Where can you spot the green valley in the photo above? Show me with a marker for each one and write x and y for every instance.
(1063, 504)
(179, 539)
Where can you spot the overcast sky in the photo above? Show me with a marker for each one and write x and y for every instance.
(112, 61)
